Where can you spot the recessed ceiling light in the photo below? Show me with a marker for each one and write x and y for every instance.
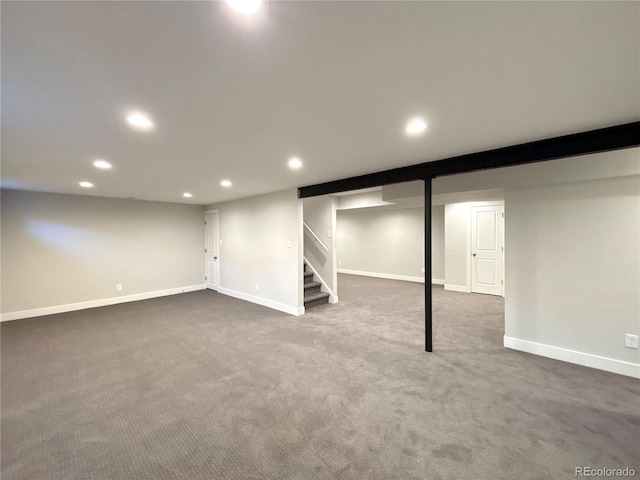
(226, 183)
(187, 195)
(86, 184)
(140, 121)
(102, 164)
(416, 126)
(295, 163)
(245, 6)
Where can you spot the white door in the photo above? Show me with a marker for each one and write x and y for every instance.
(487, 252)
(212, 270)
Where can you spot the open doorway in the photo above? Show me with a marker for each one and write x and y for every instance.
(375, 233)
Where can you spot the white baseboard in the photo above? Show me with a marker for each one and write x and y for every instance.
(457, 288)
(388, 276)
(265, 302)
(70, 307)
(437, 281)
(572, 356)
(333, 299)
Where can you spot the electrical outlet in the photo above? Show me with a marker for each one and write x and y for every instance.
(339, 262)
(119, 287)
(257, 286)
(288, 243)
(630, 341)
(329, 234)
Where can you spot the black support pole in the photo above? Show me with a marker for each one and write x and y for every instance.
(428, 307)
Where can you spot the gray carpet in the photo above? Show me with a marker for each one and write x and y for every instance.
(203, 386)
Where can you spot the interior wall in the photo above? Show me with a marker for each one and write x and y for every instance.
(261, 250)
(571, 253)
(62, 250)
(381, 242)
(573, 264)
(320, 215)
(618, 163)
(457, 235)
(437, 244)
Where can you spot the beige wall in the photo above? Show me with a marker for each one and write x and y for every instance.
(254, 252)
(68, 249)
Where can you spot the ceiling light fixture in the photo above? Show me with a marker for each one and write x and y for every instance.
(102, 164)
(295, 163)
(416, 126)
(226, 183)
(140, 121)
(187, 195)
(86, 184)
(245, 6)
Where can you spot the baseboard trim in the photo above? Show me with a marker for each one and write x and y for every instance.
(71, 307)
(333, 299)
(265, 302)
(572, 356)
(388, 276)
(437, 281)
(457, 288)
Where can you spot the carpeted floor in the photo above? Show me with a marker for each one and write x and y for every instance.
(203, 386)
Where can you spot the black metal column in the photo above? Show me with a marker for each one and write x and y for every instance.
(428, 307)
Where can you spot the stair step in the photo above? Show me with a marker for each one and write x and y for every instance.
(312, 287)
(315, 298)
(308, 277)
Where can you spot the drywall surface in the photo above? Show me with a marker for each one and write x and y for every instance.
(383, 242)
(573, 269)
(457, 224)
(68, 249)
(367, 199)
(261, 250)
(618, 163)
(437, 244)
(401, 191)
(320, 216)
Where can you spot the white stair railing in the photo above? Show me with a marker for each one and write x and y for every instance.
(315, 237)
(333, 298)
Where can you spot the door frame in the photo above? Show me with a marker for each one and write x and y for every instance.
(206, 234)
(488, 203)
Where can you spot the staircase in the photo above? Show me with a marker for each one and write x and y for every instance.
(312, 294)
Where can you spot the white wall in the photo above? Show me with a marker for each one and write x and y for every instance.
(387, 243)
(485, 183)
(365, 199)
(254, 233)
(457, 235)
(66, 252)
(573, 264)
(320, 215)
(571, 253)
(437, 244)
(457, 243)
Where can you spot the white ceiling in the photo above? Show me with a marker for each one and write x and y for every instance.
(333, 82)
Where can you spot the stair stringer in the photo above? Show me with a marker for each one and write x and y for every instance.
(333, 298)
